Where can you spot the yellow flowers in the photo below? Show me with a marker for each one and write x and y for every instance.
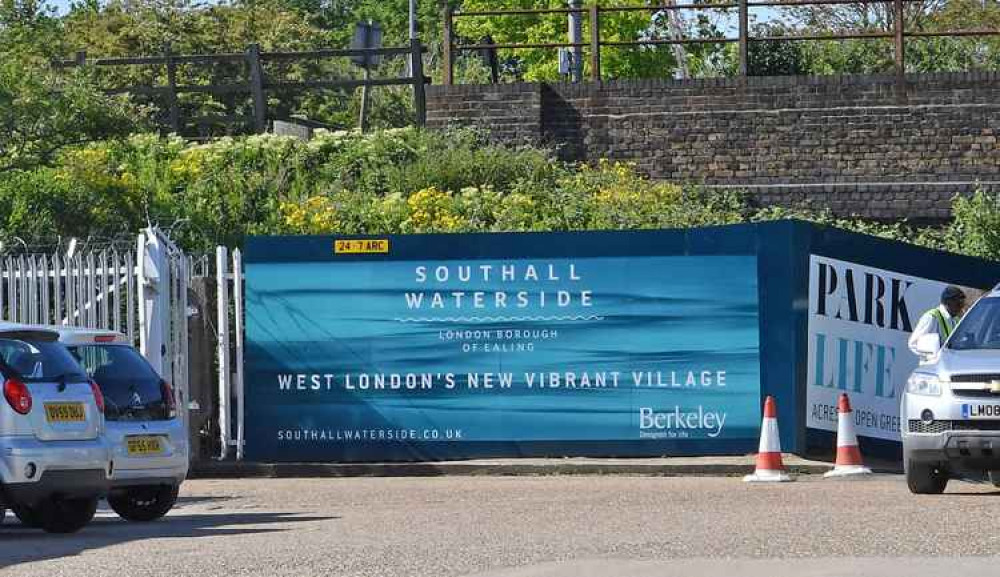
(194, 161)
(93, 166)
(432, 210)
(88, 156)
(625, 199)
(425, 211)
(314, 215)
(185, 167)
(612, 195)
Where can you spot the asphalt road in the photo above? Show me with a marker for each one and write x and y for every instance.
(532, 527)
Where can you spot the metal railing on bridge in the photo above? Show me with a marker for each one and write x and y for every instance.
(744, 38)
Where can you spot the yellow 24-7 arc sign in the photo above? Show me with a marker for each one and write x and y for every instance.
(361, 246)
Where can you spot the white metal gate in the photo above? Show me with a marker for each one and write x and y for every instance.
(96, 289)
(144, 294)
(141, 293)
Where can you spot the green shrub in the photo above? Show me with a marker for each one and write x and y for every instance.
(976, 227)
(395, 181)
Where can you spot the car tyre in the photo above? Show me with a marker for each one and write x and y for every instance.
(67, 515)
(28, 516)
(143, 504)
(926, 478)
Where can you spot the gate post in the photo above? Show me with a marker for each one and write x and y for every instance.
(744, 43)
(253, 59)
(417, 73)
(447, 50)
(153, 273)
(899, 41)
(595, 42)
(222, 324)
(240, 388)
(172, 106)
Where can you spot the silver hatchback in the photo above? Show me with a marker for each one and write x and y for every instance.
(148, 440)
(54, 462)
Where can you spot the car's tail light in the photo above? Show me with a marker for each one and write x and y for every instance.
(18, 396)
(167, 392)
(98, 396)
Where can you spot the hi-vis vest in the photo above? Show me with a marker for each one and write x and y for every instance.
(945, 326)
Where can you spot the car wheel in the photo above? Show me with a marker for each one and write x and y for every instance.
(925, 478)
(67, 515)
(28, 516)
(143, 503)
(3, 513)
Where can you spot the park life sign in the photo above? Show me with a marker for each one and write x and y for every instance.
(432, 347)
(860, 319)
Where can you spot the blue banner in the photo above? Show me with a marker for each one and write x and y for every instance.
(363, 351)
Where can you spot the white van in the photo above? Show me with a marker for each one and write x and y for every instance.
(951, 406)
(149, 442)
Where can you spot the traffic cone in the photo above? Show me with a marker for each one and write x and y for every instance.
(848, 454)
(769, 466)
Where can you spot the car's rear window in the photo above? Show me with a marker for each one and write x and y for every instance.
(35, 358)
(130, 385)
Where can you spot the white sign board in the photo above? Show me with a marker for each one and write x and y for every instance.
(860, 319)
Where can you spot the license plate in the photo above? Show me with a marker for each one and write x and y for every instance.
(980, 411)
(139, 446)
(65, 413)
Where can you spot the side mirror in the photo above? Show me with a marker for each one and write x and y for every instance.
(929, 345)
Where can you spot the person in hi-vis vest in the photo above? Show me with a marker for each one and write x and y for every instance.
(941, 320)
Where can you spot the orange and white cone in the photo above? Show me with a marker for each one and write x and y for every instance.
(769, 466)
(848, 454)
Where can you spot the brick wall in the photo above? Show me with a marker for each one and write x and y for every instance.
(855, 144)
(511, 112)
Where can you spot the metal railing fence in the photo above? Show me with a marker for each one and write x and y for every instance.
(744, 38)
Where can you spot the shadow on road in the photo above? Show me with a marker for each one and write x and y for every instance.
(20, 544)
(196, 500)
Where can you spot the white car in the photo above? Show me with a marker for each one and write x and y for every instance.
(149, 443)
(54, 463)
(951, 407)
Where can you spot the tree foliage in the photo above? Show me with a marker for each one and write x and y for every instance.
(775, 58)
(616, 62)
(40, 114)
(865, 16)
(43, 111)
(932, 54)
(119, 28)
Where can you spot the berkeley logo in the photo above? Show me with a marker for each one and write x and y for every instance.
(676, 420)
